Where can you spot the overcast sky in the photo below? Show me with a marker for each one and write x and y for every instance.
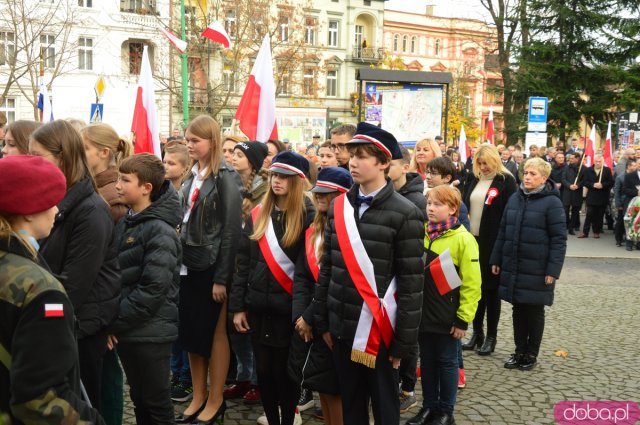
(447, 8)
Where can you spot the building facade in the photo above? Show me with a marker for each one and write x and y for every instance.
(317, 45)
(74, 42)
(464, 47)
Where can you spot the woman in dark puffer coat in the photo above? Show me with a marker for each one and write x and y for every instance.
(529, 254)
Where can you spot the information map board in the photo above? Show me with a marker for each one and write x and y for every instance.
(408, 111)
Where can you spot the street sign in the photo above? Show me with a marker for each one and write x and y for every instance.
(538, 139)
(99, 87)
(538, 108)
(96, 112)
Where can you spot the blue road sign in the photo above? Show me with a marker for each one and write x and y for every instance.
(96, 112)
(538, 108)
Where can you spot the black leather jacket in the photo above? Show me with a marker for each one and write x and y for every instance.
(211, 236)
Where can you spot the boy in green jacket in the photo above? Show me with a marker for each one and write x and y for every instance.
(451, 294)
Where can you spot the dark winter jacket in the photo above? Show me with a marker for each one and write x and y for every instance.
(556, 175)
(81, 250)
(42, 384)
(531, 244)
(505, 184)
(392, 232)
(150, 257)
(413, 191)
(630, 187)
(598, 197)
(572, 197)
(255, 289)
(310, 364)
(211, 235)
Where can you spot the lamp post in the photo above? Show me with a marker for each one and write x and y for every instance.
(185, 80)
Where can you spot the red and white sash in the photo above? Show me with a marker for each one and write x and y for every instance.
(378, 316)
(281, 267)
(311, 249)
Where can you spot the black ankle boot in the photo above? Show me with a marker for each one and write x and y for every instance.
(528, 362)
(513, 362)
(488, 346)
(422, 418)
(443, 419)
(476, 340)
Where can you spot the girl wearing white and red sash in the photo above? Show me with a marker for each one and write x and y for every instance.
(313, 366)
(263, 283)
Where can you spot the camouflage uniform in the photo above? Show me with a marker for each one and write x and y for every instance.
(39, 378)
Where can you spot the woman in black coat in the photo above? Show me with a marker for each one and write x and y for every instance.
(486, 193)
(599, 180)
(81, 248)
(528, 256)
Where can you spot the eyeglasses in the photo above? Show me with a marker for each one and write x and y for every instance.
(432, 173)
(338, 147)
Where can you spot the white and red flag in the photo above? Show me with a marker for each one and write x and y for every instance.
(444, 273)
(590, 148)
(145, 116)
(179, 43)
(53, 310)
(257, 109)
(216, 32)
(490, 127)
(463, 146)
(607, 153)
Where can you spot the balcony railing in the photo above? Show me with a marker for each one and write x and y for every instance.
(367, 54)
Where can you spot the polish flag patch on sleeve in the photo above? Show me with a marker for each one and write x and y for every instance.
(53, 310)
(444, 273)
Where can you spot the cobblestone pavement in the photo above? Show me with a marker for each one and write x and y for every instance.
(593, 319)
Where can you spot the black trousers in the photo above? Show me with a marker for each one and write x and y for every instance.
(407, 372)
(595, 218)
(528, 327)
(359, 384)
(276, 388)
(489, 302)
(91, 351)
(573, 216)
(619, 228)
(147, 366)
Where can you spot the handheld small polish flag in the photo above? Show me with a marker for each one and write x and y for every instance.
(44, 104)
(444, 273)
(145, 116)
(216, 32)
(490, 127)
(257, 109)
(463, 146)
(590, 148)
(180, 44)
(607, 153)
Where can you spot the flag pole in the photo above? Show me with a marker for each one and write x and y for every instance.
(185, 80)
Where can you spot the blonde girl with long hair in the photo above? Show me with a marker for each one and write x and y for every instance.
(424, 151)
(210, 232)
(105, 150)
(261, 298)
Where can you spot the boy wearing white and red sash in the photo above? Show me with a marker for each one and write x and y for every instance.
(369, 293)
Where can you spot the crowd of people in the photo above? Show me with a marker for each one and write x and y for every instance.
(341, 269)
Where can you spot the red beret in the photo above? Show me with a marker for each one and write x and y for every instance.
(29, 185)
